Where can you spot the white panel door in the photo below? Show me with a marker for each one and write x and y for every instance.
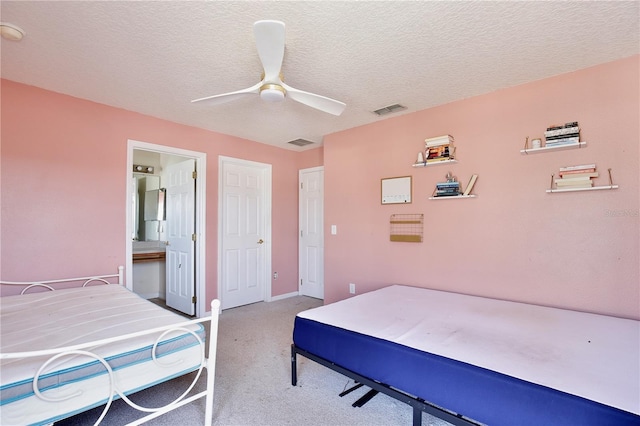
(311, 223)
(243, 265)
(180, 222)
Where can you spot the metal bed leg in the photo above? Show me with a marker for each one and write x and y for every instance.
(294, 372)
(417, 416)
(366, 398)
(351, 389)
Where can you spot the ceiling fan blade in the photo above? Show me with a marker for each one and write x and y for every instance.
(270, 44)
(322, 103)
(231, 96)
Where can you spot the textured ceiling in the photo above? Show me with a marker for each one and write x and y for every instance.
(154, 57)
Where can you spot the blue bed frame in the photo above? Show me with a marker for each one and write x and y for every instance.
(460, 393)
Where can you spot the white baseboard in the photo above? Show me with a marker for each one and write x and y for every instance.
(284, 296)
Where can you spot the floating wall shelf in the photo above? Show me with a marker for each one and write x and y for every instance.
(454, 197)
(553, 148)
(593, 188)
(435, 163)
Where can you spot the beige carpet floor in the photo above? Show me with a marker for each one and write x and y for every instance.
(253, 381)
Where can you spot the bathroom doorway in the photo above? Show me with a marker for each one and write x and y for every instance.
(148, 222)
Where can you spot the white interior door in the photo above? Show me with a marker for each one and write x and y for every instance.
(311, 223)
(245, 200)
(180, 200)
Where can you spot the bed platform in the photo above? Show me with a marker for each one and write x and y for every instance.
(69, 350)
(474, 360)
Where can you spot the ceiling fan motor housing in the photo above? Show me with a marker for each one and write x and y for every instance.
(272, 92)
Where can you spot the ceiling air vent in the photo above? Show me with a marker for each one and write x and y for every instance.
(300, 142)
(390, 109)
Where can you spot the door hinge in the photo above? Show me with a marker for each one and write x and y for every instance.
(301, 185)
(300, 281)
(194, 174)
(194, 299)
(301, 233)
(194, 237)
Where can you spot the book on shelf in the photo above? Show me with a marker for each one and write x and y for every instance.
(438, 140)
(438, 159)
(438, 151)
(580, 167)
(562, 141)
(452, 184)
(567, 185)
(469, 187)
(562, 131)
(565, 136)
(572, 177)
(447, 190)
(572, 181)
(579, 173)
(560, 127)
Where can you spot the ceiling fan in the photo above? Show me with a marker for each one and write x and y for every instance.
(269, 37)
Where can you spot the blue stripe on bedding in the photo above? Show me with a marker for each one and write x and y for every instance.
(52, 420)
(23, 389)
(483, 395)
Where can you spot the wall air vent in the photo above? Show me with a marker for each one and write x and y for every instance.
(300, 142)
(390, 109)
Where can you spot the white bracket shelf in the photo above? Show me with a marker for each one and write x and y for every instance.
(553, 148)
(593, 188)
(453, 197)
(435, 163)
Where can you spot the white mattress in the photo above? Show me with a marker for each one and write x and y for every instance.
(62, 318)
(592, 356)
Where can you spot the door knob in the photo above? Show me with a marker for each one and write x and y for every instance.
(260, 241)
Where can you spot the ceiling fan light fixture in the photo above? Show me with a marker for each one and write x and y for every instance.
(272, 93)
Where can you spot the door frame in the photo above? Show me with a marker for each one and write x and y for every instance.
(266, 170)
(200, 213)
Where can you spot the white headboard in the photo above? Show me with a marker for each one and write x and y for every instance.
(85, 281)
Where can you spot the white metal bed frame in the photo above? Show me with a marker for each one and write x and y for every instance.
(54, 354)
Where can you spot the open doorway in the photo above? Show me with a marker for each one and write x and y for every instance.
(146, 239)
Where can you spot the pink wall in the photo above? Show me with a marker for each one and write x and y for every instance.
(63, 172)
(574, 250)
(514, 241)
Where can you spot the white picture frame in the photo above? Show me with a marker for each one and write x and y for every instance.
(396, 190)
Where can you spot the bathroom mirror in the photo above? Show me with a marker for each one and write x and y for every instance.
(154, 204)
(148, 208)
